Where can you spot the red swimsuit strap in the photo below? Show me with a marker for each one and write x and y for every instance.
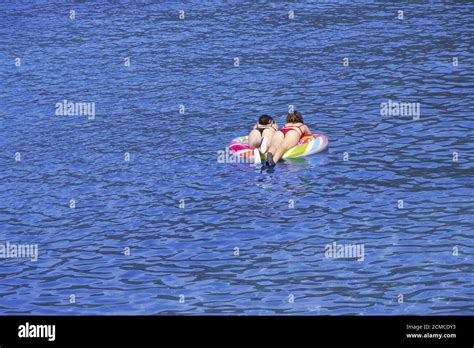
(288, 128)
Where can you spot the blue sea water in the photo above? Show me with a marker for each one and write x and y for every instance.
(172, 230)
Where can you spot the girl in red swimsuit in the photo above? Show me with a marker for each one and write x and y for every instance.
(286, 137)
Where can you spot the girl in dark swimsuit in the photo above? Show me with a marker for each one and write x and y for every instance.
(261, 134)
(287, 137)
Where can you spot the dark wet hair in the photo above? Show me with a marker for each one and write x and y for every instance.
(294, 117)
(265, 119)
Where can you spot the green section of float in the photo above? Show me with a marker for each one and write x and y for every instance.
(296, 151)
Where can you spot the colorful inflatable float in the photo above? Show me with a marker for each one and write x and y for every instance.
(308, 145)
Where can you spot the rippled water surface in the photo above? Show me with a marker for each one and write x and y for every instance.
(222, 238)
